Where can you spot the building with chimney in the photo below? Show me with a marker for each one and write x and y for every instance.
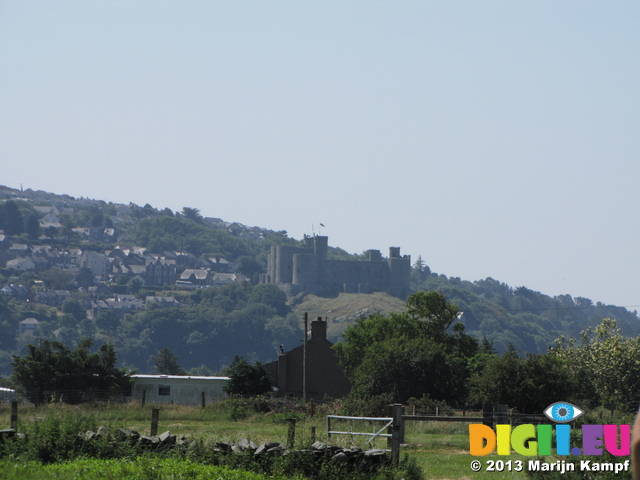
(325, 377)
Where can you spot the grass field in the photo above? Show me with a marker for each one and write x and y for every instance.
(439, 448)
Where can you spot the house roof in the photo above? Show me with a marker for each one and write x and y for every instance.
(170, 300)
(29, 321)
(199, 273)
(177, 377)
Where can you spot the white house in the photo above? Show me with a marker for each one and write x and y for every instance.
(28, 325)
(7, 394)
(183, 389)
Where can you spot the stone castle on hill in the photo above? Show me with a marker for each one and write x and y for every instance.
(307, 269)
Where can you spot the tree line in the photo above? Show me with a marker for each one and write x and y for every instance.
(420, 355)
(425, 353)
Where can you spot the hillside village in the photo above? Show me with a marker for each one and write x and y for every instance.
(71, 268)
(101, 276)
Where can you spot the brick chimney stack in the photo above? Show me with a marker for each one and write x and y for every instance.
(318, 329)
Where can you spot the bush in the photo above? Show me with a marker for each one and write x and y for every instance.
(368, 405)
(427, 405)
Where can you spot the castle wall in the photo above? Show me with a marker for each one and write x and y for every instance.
(297, 269)
(333, 274)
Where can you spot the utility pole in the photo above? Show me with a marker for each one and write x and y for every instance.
(304, 358)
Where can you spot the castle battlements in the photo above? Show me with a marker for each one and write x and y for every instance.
(307, 269)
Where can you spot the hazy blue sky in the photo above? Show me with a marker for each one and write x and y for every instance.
(494, 138)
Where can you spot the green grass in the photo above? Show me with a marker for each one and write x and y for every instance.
(441, 449)
(142, 468)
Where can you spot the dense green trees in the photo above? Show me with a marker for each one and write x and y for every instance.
(210, 328)
(607, 365)
(167, 363)
(424, 352)
(526, 319)
(247, 379)
(529, 383)
(53, 371)
(162, 233)
(410, 354)
(11, 219)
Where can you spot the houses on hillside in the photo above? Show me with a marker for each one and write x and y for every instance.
(119, 263)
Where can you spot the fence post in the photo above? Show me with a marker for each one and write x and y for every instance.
(502, 414)
(313, 434)
(396, 432)
(203, 402)
(291, 434)
(328, 427)
(14, 414)
(144, 397)
(155, 414)
(487, 414)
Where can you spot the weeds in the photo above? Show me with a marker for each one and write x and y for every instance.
(56, 435)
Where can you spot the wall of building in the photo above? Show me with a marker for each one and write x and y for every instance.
(186, 390)
(325, 376)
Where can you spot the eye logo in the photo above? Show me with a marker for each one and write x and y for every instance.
(562, 412)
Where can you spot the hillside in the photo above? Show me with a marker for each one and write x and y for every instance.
(346, 308)
(146, 279)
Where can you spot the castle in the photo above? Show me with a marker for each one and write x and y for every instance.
(307, 269)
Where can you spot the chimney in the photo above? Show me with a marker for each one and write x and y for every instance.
(318, 329)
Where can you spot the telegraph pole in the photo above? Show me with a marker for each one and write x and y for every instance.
(304, 358)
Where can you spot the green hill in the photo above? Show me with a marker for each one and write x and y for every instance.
(343, 310)
(45, 235)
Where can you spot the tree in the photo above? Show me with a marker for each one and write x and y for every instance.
(192, 214)
(52, 370)
(84, 277)
(74, 307)
(11, 220)
(167, 363)
(528, 383)
(134, 285)
(57, 279)
(410, 354)
(607, 362)
(433, 309)
(32, 227)
(269, 294)
(248, 265)
(108, 320)
(247, 379)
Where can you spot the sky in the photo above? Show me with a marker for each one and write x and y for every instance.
(492, 138)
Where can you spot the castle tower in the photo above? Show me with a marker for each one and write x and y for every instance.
(305, 270)
(399, 272)
(284, 263)
(321, 246)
